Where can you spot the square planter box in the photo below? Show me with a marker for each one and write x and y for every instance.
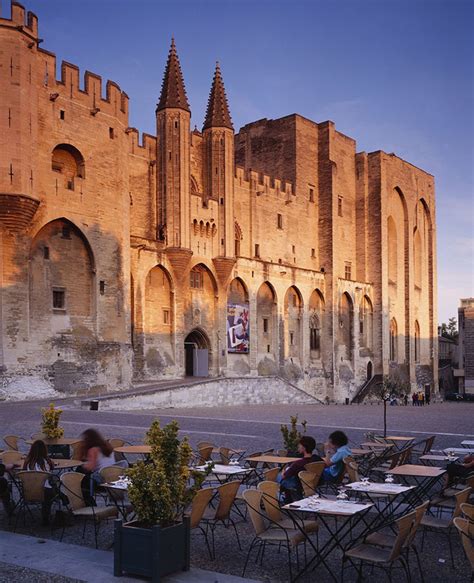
(151, 552)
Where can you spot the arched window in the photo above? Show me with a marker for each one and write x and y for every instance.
(417, 257)
(346, 324)
(316, 309)
(393, 340)
(69, 162)
(314, 334)
(365, 323)
(417, 341)
(237, 239)
(293, 307)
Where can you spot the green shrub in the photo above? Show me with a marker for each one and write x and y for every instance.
(291, 435)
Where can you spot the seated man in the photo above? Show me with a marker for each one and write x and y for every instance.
(290, 485)
(336, 449)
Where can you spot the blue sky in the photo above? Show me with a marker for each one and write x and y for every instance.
(394, 75)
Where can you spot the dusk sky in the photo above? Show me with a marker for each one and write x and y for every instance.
(396, 76)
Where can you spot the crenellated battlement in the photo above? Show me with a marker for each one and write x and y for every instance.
(146, 148)
(22, 20)
(262, 183)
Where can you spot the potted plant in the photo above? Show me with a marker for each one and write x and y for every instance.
(157, 542)
(291, 435)
(51, 430)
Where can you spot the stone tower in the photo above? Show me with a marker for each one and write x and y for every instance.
(173, 117)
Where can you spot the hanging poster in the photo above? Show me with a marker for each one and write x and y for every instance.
(237, 328)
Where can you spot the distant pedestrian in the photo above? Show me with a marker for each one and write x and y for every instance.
(421, 398)
(415, 399)
(405, 400)
(427, 398)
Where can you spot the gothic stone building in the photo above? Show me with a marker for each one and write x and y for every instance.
(277, 250)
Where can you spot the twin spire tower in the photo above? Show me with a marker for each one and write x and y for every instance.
(173, 121)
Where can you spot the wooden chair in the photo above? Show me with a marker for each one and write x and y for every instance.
(383, 558)
(383, 539)
(271, 491)
(200, 502)
(204, 454)
(117, 442)
(213, 517)
(225, 455)
(315, 467)
(11, 442)
(270, 533)
(466, 530)
(309, 482)
(77, 450)
(12, 457)
(351, 468)
(271, 474)
(468, 511)
(32, 490)
(71, 483)
(445, 526)
(203, 444)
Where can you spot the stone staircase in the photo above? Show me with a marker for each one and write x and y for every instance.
(365, 389)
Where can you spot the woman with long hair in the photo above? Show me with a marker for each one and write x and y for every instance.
(98, 454)
(38, 460)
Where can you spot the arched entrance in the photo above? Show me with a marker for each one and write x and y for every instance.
(197, 348)
(369, 370)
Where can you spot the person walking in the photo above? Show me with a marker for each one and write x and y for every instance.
(415, 399)
(421, 399)
(405, 400)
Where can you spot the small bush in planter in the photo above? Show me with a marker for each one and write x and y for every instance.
(50, 422)
(291, 435)
(157, 542)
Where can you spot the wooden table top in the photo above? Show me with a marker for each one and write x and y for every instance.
(417, 471)
(131, 449)
(58, 441)
(467, 443)
(272, 459)
(359, 451)
(399, 438)
(66, 464)
(435, 458)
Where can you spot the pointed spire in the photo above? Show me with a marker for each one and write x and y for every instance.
(173, 93)
(217, 115)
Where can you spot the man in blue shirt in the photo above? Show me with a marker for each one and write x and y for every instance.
(336, 450)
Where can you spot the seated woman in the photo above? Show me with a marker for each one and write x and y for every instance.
(290, 484)
(38, 460)
(98, 454)
(336, 449)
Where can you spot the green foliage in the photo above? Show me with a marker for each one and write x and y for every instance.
(450, 330)
(160, 489)
(50, 422)
(291, 435)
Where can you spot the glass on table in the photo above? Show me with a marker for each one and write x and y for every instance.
(389, 479)
(365, 480)
(342, 494)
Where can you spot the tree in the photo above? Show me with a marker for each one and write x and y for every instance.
(450, 330)
(390, 388)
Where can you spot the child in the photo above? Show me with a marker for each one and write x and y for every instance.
(336, 450)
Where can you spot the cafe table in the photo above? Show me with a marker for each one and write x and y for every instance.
(224, 473)
(348, 515)
(58, 446)
(117, 492)
(66, 464)
(425, 478)
(467, 443)
(272, 459)
(400, 441)
(462, 451)
(430, 457)
(375, 445)
(360, 452)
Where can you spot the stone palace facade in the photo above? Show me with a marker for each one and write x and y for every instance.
(279, 250)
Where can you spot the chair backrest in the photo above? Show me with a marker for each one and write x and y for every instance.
(394, 460)
(420, 511)
(271, 475)
(77, 450)
(32, 483)
(205, 454)
(199, 504)
(254, 454)
(466, 530)
(468, 511)
(351, 468)
(271, 491)
(429, 445)
(227, 493)
(72, 488)
(11, 442)
(111, 473)
(202, 444)
(224, 454)
(461, 497)
(11, 457)
(116, 442)
(309, 482)
(315, 467)
(405, 456)
(253, 499)
(36, 436)
(282, 452)
(405, 524)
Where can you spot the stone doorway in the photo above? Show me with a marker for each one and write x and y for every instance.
(197, 348)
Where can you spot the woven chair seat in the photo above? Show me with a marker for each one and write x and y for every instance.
(442, 501)
(433, 522)
(295, 537)
(369, 553)
(97, 511)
